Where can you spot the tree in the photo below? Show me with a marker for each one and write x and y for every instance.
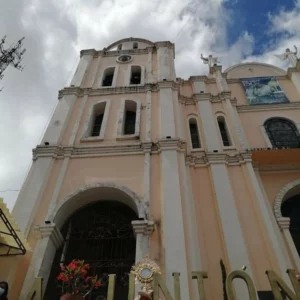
(11, 56)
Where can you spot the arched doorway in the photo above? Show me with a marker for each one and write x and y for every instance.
(291, 209)
(100, 233)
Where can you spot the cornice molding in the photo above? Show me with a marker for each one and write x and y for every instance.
(143, 227)
(207, 158)
(267, 107)
(187, 100)
(171, 144)
(167, 84)
(138, 148)
(214, 98)
(108, 90)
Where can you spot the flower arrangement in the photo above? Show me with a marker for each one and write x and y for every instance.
(74, 279)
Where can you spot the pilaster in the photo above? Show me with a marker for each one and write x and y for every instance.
(284, 225)
(233, 235)
(172, 218)
(142, 230)
(49, 240)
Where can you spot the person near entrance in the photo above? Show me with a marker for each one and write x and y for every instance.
(3, 290)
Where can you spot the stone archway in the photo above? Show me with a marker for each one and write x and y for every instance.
(283, 194)
(88, 194)
(50, 237)
(288, 191)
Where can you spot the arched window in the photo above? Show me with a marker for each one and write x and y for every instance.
(108, 76)
(282, 133)
(136, 75)
(129, 117)
(135, 45)
(98, 116)
(195, 139)
(101, 234)
(224, 131)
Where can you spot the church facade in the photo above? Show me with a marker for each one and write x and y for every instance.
(200, 174)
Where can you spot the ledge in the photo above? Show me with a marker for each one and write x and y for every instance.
(208, 158)
(108, 90)
(267, 107)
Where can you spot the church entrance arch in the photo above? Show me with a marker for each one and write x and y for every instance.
(100, 233)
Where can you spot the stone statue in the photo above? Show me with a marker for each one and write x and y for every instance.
(291, 56)
(210, 60)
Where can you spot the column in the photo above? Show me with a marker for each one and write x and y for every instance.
(172, 219)
(142, 230)
(284, 225)
(149, 68)
(49, 240)
(233, 235)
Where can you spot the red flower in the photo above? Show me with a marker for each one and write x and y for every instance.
(77, 291)
(98, 284)
(88, 278)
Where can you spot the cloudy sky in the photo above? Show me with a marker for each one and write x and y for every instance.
(56, 30)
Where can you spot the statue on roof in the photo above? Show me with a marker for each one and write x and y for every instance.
(210, 60)
(291, 56)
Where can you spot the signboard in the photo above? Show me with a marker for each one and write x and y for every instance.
(263, 90)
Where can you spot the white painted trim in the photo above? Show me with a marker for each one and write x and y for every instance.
(147, 176)
(194, 116)
(229, 133)
(88, 123)
(121, 120)
(128, 76)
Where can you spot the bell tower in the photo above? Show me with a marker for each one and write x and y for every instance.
(115, 135)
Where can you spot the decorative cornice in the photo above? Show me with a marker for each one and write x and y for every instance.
(214, 98)
(164, 44)
(187, 100)
(50, 230)
(198, 78)
(143, 227)
(92, 52)
(284, 223)
(208, 158)
(108, 90)
(171, 144)
(267, 107)
(167, 84)
(134, 148)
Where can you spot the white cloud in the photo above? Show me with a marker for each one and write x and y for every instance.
(55, 31)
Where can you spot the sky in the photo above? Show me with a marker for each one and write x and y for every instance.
(56, 30)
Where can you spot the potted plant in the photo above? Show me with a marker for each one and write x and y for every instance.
(75, 282)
